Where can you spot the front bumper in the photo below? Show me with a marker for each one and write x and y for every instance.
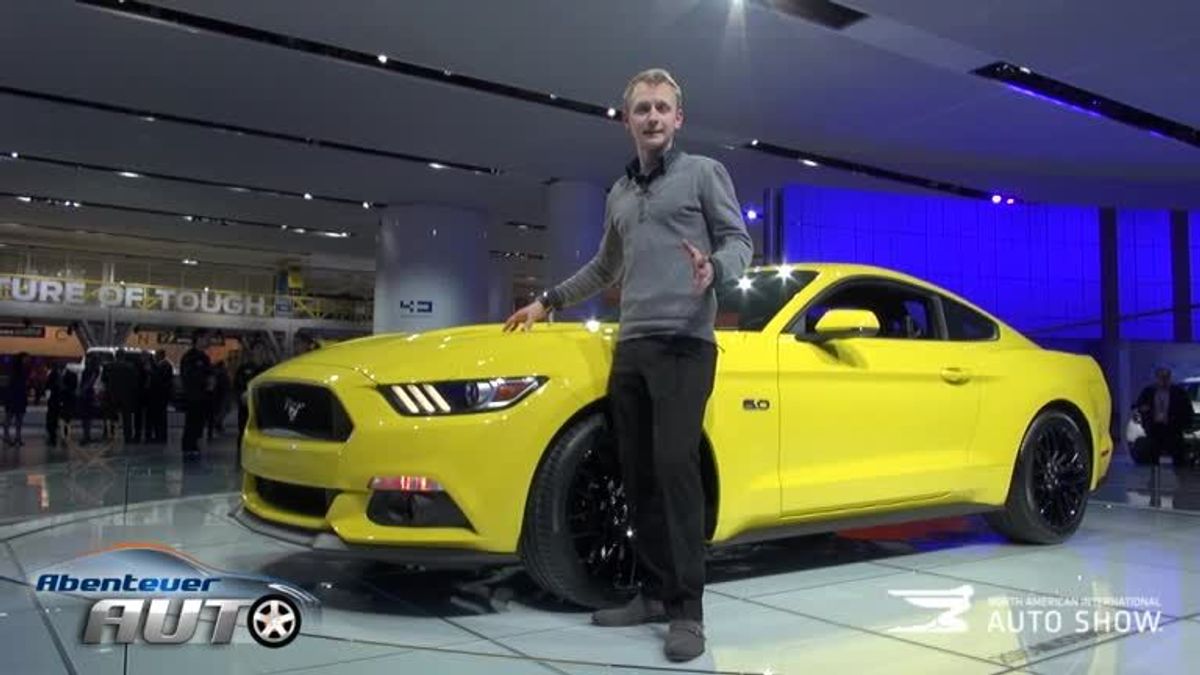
(327, 542)
(485, 463)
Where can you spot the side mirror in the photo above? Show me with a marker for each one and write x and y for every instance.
(847, 323)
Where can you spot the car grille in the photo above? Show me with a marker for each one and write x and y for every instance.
(300, 411)
(301, 499)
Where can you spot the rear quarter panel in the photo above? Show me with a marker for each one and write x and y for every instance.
(1018, 383)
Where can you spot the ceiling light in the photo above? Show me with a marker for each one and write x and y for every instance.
(754, 143)
(299, 230)
(996, 199)
(14, 155)
(751, 214)
(25, 199)
(307, 195)
(76, 204)
(190, 261)
(366, 205)
(128, 174)
(188, 218)
(436, 167)
(150, 118)
(553, 97)
(206, 289)
(382, 58)
(1010, 201)
(612, 112)
(809, 163)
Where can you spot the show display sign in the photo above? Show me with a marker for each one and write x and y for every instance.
(71, 292)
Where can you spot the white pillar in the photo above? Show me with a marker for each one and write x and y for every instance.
(574, 224)
(432, 268)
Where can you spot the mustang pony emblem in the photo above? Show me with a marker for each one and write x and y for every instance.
(293, 408)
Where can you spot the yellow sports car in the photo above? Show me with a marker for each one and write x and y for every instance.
(844, 395)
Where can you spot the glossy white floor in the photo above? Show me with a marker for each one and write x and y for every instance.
(810, 605)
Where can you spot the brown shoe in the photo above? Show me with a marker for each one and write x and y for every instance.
(639, 610)
(685, 640)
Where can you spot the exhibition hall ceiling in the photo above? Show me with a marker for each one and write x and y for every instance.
(213, 96)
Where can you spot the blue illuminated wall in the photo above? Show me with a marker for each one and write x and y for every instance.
(1036, 267)
(1194, 245)
(1144, 252)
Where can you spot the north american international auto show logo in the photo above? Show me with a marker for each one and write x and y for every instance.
(953, 610)
(162, 596)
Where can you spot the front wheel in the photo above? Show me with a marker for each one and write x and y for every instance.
(576, 541)
(1048, 494)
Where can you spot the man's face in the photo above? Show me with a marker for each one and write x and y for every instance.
(1163, 376)
(653, 116)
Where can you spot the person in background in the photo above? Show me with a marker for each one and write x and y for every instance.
(121, 382)
(1166, 413)
(16, 398)
(194, 369)
(255, 362)
(219, 385)
(54, 403)
(159, 390)
(88, 402)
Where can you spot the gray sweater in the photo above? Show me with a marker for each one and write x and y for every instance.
(646, 221)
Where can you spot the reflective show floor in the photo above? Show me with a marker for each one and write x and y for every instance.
(827, 604)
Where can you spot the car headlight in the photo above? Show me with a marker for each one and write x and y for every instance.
(460, 396)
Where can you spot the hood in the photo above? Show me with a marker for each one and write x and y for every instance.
(465, 352)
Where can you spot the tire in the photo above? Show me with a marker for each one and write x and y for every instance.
(575, 542)
(1141, 452)
(1048, 495)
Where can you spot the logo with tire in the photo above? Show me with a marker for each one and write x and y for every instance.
(274, 621)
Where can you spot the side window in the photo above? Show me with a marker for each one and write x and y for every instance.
(966, 325)
(904, 313)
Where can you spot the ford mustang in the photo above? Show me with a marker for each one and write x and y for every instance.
(845, 395)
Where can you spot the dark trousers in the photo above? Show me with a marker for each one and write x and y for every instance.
(658, 389)
(1165, 441)
(53, 414)
(195, 415)
(156, 422)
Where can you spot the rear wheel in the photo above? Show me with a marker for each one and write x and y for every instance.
(1048, 494)
(577, 539)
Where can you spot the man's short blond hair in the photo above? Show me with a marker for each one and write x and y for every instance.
(653, 77)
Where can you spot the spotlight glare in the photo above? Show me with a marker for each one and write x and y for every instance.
(382, 58)
(754, 143)
(308, 195)
(1010, 201)
(436, 166)
(612, 112)
(190, 262)
(785, 271)
(751, 215)
(809, 163)
(14, 155)
(25, 199)
(128, 174)
(745, 283)
(366, 205)
(996, 199)
(592, 325)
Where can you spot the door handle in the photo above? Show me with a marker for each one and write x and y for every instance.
(956, 375)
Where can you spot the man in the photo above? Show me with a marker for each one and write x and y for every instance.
(159, 391)
(255, 362)
(673, 229)
(194, 370)
(1166, 412)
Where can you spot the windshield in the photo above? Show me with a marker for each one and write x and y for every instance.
(749, 303)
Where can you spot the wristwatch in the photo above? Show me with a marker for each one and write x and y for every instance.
(548, 300)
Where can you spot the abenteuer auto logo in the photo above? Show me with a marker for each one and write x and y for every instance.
(162, 596)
